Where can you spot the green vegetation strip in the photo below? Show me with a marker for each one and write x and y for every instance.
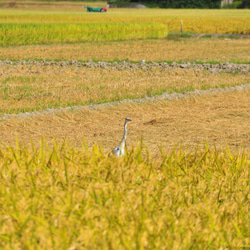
(68, 198)
(53, 33)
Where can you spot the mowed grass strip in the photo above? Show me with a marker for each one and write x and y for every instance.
(173, 49)
(68, 198)
(27, 88)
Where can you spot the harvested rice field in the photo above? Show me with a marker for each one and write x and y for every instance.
(183, 181)
(33, 86)
(173, 49)
(220, 119)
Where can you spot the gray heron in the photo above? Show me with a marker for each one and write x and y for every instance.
(120, 149)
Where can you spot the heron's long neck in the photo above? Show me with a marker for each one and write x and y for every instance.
(125, 134)
(125, 130)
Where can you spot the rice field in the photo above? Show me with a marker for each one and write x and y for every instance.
(20, 27)
(20, 34)
(79, 199)
(184, 180)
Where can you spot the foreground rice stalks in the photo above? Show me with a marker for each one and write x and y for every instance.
(68, 198)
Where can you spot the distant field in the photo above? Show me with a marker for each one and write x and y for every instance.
(20, 27)
(52, 33)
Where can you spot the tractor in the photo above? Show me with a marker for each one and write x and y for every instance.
(98, 9)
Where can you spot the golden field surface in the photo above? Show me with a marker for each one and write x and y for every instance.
(184, 180)
(220, 119)
(178, 49)
(33, 87)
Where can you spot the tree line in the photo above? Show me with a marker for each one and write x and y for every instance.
(181, 4)
(191, 4)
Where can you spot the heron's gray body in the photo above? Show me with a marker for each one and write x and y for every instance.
(120, 149)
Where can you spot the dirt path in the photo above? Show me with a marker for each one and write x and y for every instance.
(221, 118)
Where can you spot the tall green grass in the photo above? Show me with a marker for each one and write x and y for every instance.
(63, 198)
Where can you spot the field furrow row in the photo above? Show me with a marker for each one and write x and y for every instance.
(164, 96)
(126, 65)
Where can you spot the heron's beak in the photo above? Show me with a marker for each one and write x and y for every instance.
(128, 119)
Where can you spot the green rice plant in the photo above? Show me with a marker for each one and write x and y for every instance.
(193, 21)
(63, 197)
(18, 27)
(47, 33)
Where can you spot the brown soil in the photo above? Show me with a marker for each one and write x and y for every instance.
(218, 119)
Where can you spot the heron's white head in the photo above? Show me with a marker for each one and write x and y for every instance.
(128, 119)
